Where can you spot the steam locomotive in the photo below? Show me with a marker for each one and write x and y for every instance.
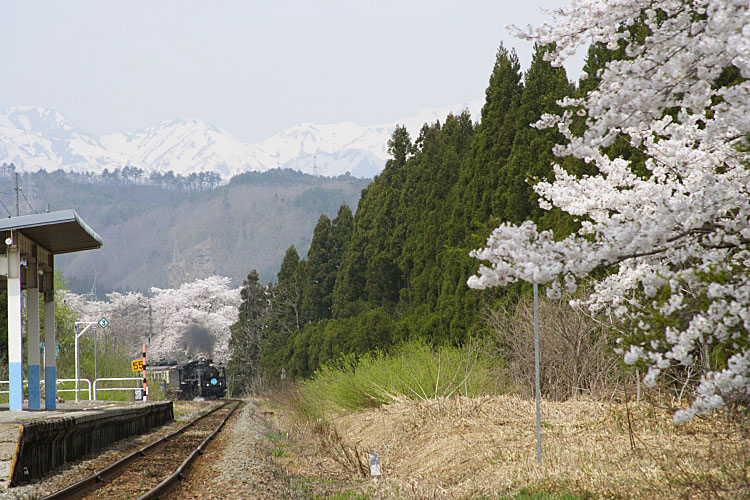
(190, 380)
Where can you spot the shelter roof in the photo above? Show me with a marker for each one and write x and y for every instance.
(62, 231)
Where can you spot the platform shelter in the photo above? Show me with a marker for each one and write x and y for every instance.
(28, 245)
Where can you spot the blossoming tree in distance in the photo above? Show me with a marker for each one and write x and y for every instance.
(674, 237)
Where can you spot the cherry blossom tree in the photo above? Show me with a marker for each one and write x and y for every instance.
(209, 304)
(678, 236)
(127, 315)
(104, 352)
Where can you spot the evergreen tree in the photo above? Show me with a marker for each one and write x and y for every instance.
(349, 289)
(480, 180)
(369, 275)
(248, 334)
(321, 267)
(531, 156)
(343, 225)
(423, 227)
(285, 315)
(288, 265)
(399, 145)
(398, 268)
(324, 259)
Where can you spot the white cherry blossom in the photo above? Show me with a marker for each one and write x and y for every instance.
(678, 238)
(209, 304)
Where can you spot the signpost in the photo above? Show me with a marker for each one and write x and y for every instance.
(145, 380)
(138, 364)
(374, 464)
(78, 332)
(536, 366)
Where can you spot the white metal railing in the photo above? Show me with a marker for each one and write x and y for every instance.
(73, 380)
(97, 388)
(59, 381)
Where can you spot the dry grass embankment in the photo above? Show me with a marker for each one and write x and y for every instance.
(485, 447)
(444, 428)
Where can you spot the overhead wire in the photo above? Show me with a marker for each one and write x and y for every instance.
(27, 201)
(6, 208)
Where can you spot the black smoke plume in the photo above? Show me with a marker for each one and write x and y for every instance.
(199, 343)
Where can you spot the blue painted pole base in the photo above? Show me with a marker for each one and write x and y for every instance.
(50, 384)
(16, 385)
(35, 393)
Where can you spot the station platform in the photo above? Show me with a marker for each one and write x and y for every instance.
(35, 442)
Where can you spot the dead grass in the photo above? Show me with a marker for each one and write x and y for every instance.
(483, 447)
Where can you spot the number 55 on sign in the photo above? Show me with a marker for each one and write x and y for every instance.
(137, 365)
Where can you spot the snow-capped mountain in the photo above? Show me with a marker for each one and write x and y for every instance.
(32, 137)
(184, 146)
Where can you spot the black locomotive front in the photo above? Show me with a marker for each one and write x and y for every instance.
(202, 379)
(213, 382)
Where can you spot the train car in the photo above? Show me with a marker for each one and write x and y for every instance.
(190, 380)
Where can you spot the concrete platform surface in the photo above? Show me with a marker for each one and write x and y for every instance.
(34, 442)
(65, 409)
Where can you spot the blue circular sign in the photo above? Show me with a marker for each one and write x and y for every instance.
(214, 381)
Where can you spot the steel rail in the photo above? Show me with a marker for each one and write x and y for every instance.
(171, 480)
(112, 470)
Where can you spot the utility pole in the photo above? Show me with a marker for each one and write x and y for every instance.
(150, 323)
(17, 210)
(92, 297)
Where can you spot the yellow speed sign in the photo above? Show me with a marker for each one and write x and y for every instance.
(137, 365)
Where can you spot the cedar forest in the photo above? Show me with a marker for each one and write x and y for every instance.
(397, 270)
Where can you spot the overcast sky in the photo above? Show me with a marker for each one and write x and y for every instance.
(253, 67)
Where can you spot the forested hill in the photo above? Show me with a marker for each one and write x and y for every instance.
(398, 269)
(175, 229)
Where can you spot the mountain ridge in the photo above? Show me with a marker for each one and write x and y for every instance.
(33, 137)
(157, 235)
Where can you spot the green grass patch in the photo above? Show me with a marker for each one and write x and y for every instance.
(347, 495)
(529, 494)
(414, 370)
(279, 441)
(326, 489)
(277, 437)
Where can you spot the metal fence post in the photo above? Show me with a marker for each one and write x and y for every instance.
(538, 385)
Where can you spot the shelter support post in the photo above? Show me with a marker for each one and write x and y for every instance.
(50, 342)
(15, 334)
(33, 240)
(32, 335)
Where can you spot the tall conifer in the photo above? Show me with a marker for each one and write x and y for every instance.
(479, 179)
(531, 156)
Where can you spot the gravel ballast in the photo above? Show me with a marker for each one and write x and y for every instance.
(237, 464)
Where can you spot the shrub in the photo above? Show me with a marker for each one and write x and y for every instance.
(575, 351)
(414, 370)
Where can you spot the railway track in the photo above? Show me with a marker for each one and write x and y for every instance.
(154, 469)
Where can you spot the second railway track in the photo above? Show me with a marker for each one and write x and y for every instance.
(149, 472)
